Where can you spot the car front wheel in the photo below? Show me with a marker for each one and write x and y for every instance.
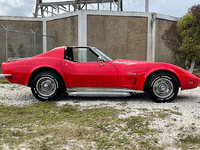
(47, 86)
(162, 87)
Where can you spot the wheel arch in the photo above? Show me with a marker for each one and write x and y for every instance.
(35, 72)
(152, 73)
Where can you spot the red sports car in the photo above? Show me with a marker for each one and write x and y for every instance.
(86, 71)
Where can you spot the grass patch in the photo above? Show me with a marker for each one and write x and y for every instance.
(48, 114)
(190, 139)
(137, 124)
(198, 74)
(3, 80)
(44, 125)
(189, 142)
(160, 113)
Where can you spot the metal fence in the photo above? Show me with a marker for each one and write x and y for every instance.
(22, 44)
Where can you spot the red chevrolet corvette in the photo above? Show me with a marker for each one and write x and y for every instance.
(86, 71)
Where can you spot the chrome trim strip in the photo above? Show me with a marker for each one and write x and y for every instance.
(98, 89)
(99, 94)
(5, 75)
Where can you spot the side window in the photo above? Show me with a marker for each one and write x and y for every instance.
(80, 55)
(69, 54)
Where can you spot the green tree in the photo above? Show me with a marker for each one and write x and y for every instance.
(189, 30)
(173, 42)
(183, 38)
(20, 49)
(195, 10)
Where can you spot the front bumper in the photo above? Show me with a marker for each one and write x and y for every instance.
(5, 75)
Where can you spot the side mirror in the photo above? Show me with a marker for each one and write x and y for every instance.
(100, 59)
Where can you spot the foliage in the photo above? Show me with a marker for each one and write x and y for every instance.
(173, 42)
(195, 10)
(2, 80)
(20, 49)
(189, 31)
(11, 50)
(197, 73)
(183, 37)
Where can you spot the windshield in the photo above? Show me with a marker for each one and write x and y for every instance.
(105, 57)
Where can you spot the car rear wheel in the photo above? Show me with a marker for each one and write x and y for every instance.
(47, 86)
(162, 87)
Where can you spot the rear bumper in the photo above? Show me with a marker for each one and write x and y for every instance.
(5, 75)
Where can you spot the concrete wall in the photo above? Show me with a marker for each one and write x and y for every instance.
(118, 36)
(162, 53)
(125, 35)
(23, 24)
(66, 31)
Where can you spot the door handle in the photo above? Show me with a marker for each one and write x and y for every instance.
(66, 64)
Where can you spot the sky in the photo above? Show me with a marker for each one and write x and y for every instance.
(176, 8)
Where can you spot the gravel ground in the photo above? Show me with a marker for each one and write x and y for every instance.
(187, 103)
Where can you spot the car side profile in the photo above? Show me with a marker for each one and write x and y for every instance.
(86, 71)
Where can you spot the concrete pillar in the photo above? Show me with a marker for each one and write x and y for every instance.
(151, 37)
(44, 36)
(82, 28)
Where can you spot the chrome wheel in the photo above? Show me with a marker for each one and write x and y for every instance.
(46, 86)
(163, 88)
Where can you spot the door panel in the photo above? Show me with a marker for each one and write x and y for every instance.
(90, 74)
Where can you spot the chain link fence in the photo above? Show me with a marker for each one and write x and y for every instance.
(22, 44)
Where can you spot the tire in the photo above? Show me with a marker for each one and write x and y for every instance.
(162, 87)
(47, 85)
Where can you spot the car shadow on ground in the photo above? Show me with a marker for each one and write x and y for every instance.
(65, 97)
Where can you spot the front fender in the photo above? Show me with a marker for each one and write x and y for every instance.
(144, 76)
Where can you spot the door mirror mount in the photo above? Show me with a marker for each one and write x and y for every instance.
(100, 59)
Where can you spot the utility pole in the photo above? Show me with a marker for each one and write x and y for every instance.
(146, 5)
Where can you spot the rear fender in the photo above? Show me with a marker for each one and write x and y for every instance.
(47, 68)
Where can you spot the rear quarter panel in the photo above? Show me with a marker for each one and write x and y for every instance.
(21, 70)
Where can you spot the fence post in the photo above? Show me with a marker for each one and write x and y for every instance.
(54, 38)
(34, 33)
(6, 29)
